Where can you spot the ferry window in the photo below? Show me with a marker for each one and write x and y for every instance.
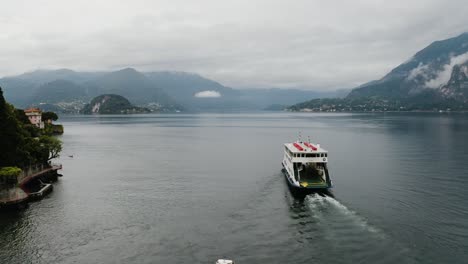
(321, 155)
(326, 155)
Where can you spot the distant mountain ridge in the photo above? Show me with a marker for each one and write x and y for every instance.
(457, 86)
(435, 78)
(58, 91)
(66, 90)
(429, 68)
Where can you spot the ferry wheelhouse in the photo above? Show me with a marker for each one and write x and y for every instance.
(305, 166)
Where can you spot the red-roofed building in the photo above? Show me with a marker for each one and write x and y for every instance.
(35, 116)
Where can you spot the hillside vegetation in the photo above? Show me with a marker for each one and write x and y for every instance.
(435, 78)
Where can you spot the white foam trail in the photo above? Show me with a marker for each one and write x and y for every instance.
(339, 205)
(316, 202)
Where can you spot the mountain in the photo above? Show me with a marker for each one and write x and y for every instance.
(197, 93)
(18, 92)
(183, 85)
(111, 104)
(275, 98)
(429, 68)
(40, 77)
(434, 79)
(22, 89)
(457, 86)
(59, 91)
(135, 86)
(67, 91)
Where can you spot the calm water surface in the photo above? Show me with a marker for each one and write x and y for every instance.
(194, 188)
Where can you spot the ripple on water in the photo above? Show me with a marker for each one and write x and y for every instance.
(344, 232)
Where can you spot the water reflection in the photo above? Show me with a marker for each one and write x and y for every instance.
(193, 188)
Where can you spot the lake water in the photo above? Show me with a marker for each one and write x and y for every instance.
(195, 188)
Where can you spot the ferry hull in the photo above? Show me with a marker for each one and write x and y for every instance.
(299, 190)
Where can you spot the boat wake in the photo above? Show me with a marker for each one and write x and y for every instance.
(324, 224)
(329, 211)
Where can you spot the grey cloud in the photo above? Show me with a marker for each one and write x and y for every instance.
(307, 44)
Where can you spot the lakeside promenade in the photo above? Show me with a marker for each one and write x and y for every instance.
(18, 193)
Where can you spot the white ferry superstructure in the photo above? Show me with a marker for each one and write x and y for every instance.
(305, 166)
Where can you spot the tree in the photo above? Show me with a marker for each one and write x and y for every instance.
(9, 175)
(49, 116)
(21, 116)
(19, 145)
(50, 145)
(11, 136)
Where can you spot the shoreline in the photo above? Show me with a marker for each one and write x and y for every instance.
(28, 188)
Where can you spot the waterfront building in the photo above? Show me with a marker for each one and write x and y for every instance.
(35, 116)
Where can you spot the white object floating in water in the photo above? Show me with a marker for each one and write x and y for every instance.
(224, 261)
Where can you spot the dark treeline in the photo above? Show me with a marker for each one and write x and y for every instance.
(21, 143)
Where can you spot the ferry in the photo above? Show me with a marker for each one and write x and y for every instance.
(305, 167)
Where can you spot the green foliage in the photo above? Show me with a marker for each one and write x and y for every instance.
(11, 136)
(50, 145)
(112, 104)
(24, 122)
(9, 172)
(52, 129)
(19, 144)
(32, 130)
(49, 116)
(21, 116)
(9, 175)
(57, 129)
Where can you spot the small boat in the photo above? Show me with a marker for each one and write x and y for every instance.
(305, 167)
(224, 261)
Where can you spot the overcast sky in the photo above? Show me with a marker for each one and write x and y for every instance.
(308, 44)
